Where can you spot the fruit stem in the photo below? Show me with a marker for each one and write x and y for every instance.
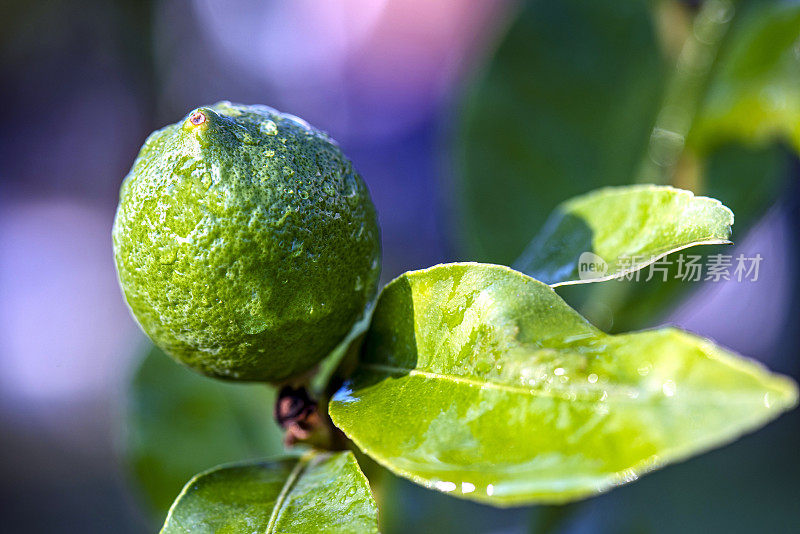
(684, 92)
(305, 420)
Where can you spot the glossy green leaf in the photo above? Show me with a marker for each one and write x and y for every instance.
(314, 493)
(614, 231)
(179, 423)
(754, 95)
(481, 382)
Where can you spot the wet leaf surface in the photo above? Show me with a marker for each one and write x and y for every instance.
(480, 382)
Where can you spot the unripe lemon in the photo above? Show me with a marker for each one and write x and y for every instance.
(246, 244)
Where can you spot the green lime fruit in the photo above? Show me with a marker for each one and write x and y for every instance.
(246, 244)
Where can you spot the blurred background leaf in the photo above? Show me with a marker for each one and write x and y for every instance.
(753, 94)
(180, 423)
(564, 106)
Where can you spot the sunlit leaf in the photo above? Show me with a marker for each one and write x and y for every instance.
(179, 423)
(614, 231)
(314, 493)
(481, 382)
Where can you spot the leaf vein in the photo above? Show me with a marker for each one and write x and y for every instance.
(296, 472)
(620, 393)
(470, 381)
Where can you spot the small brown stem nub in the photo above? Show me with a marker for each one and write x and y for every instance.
(296, 412)
(304, 422)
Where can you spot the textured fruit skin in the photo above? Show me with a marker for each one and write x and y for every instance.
(245, 243)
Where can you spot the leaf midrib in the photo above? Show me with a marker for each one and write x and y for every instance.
(521, 390)
(294, 475)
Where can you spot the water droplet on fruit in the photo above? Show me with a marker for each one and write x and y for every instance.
(351, 189)
(287, 171)
(297, 120)
(252, 319)
(254, 325)
(268, 128)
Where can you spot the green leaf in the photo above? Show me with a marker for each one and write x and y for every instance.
(754, 95)
(481, 382)
(621, 230)
(179, 423)
(316, 493)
